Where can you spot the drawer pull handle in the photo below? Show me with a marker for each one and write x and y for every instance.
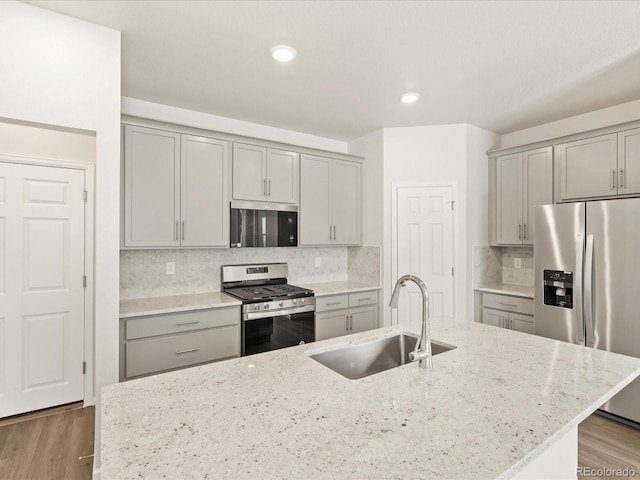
(364, 299)
(513, 305)
(333, 303)
(192, 322)
(189, 350)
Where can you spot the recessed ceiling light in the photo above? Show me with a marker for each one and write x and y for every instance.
(410, 97)
(283, 53)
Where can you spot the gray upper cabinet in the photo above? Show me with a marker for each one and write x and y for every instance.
(330, 201)
(265, 174)
(175, 189)
(520, 181)
(587, 168)
(629, 162)
(151, 187)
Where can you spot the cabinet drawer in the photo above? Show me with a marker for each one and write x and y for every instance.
(360, 299)
(163, 353)
(153, 325)
(332, 302)
(512, 304)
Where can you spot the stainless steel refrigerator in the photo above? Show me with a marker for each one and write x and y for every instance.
(587, 281)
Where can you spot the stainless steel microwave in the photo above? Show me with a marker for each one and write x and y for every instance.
(259, 224)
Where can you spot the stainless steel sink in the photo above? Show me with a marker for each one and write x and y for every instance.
(367, 358)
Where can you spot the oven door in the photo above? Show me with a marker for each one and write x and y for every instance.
(280, 331)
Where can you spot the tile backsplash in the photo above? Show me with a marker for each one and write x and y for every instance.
(143, 272)
(492, 265)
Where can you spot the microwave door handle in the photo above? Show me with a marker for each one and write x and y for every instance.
(263, 228)
(242, 233)
(578, 285)
(588, 292)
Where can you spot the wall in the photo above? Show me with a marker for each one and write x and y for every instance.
(64, 72)
(215, 123)
(625, 112)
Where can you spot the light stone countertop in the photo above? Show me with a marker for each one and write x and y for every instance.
(176, 303)
(333, 288)
(507, 289)
(486, 410)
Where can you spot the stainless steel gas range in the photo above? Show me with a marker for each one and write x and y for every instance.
(275, 314)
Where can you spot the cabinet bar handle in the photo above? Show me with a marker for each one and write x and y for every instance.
(333, 303)
(269, 187)
(264, 187)
(334, 232)
(330, 238)
(519, 231)
(183, 230)
(613, 179)
(508, 304)
(192, 322)
(364, 299)
(189, 350)
(176, 230)
(525, 231)
(621, 179)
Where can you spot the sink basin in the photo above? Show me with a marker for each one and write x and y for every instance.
(367, 358)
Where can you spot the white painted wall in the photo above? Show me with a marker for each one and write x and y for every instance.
(64, 72)
(427, 155)
(625, 112)
(207, 121)
(478, 142)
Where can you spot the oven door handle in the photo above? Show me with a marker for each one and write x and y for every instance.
(248, 316)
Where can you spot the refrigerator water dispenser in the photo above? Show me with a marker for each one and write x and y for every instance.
(558, 288)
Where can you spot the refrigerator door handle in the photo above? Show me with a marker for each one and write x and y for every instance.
(577, 292)
(588, 291)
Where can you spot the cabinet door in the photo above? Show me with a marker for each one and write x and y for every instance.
(494, 317)
(521, 323)
(249, 172)
(363, 319)
(315, 191)
(283, 172)
(588, 168)
(331, 324)
(509, 199)
(204, 205)
(346, 202)
(629, 162)
(151, 187)
(538, 186)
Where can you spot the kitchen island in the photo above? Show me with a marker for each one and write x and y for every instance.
(492, 407)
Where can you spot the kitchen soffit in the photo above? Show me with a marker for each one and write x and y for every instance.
(498, 65)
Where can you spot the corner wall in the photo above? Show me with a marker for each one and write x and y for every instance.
(64, 72)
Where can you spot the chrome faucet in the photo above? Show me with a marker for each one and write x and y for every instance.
(422, 352)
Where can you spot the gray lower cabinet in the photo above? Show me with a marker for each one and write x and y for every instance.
(338, 315)
(157, 343)
(504, 311)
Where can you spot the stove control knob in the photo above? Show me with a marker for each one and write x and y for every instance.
(281, 304)
(294, 301)
(256, 307)
(266, 306)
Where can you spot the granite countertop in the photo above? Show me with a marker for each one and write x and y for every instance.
(487, 409)
(333, 288)
(507, 289)
(176, 303)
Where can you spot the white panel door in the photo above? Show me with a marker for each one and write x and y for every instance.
(509, 199)
(41, 287)
(315, 198)
(629, 162)
(537, 166)
(425, 249)
(204, 198)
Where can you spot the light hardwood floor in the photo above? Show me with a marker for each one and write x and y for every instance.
(58, 444)
(54, 444)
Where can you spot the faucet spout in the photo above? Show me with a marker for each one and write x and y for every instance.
(422, 352)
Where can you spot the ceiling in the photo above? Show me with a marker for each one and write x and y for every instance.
(498, 65)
